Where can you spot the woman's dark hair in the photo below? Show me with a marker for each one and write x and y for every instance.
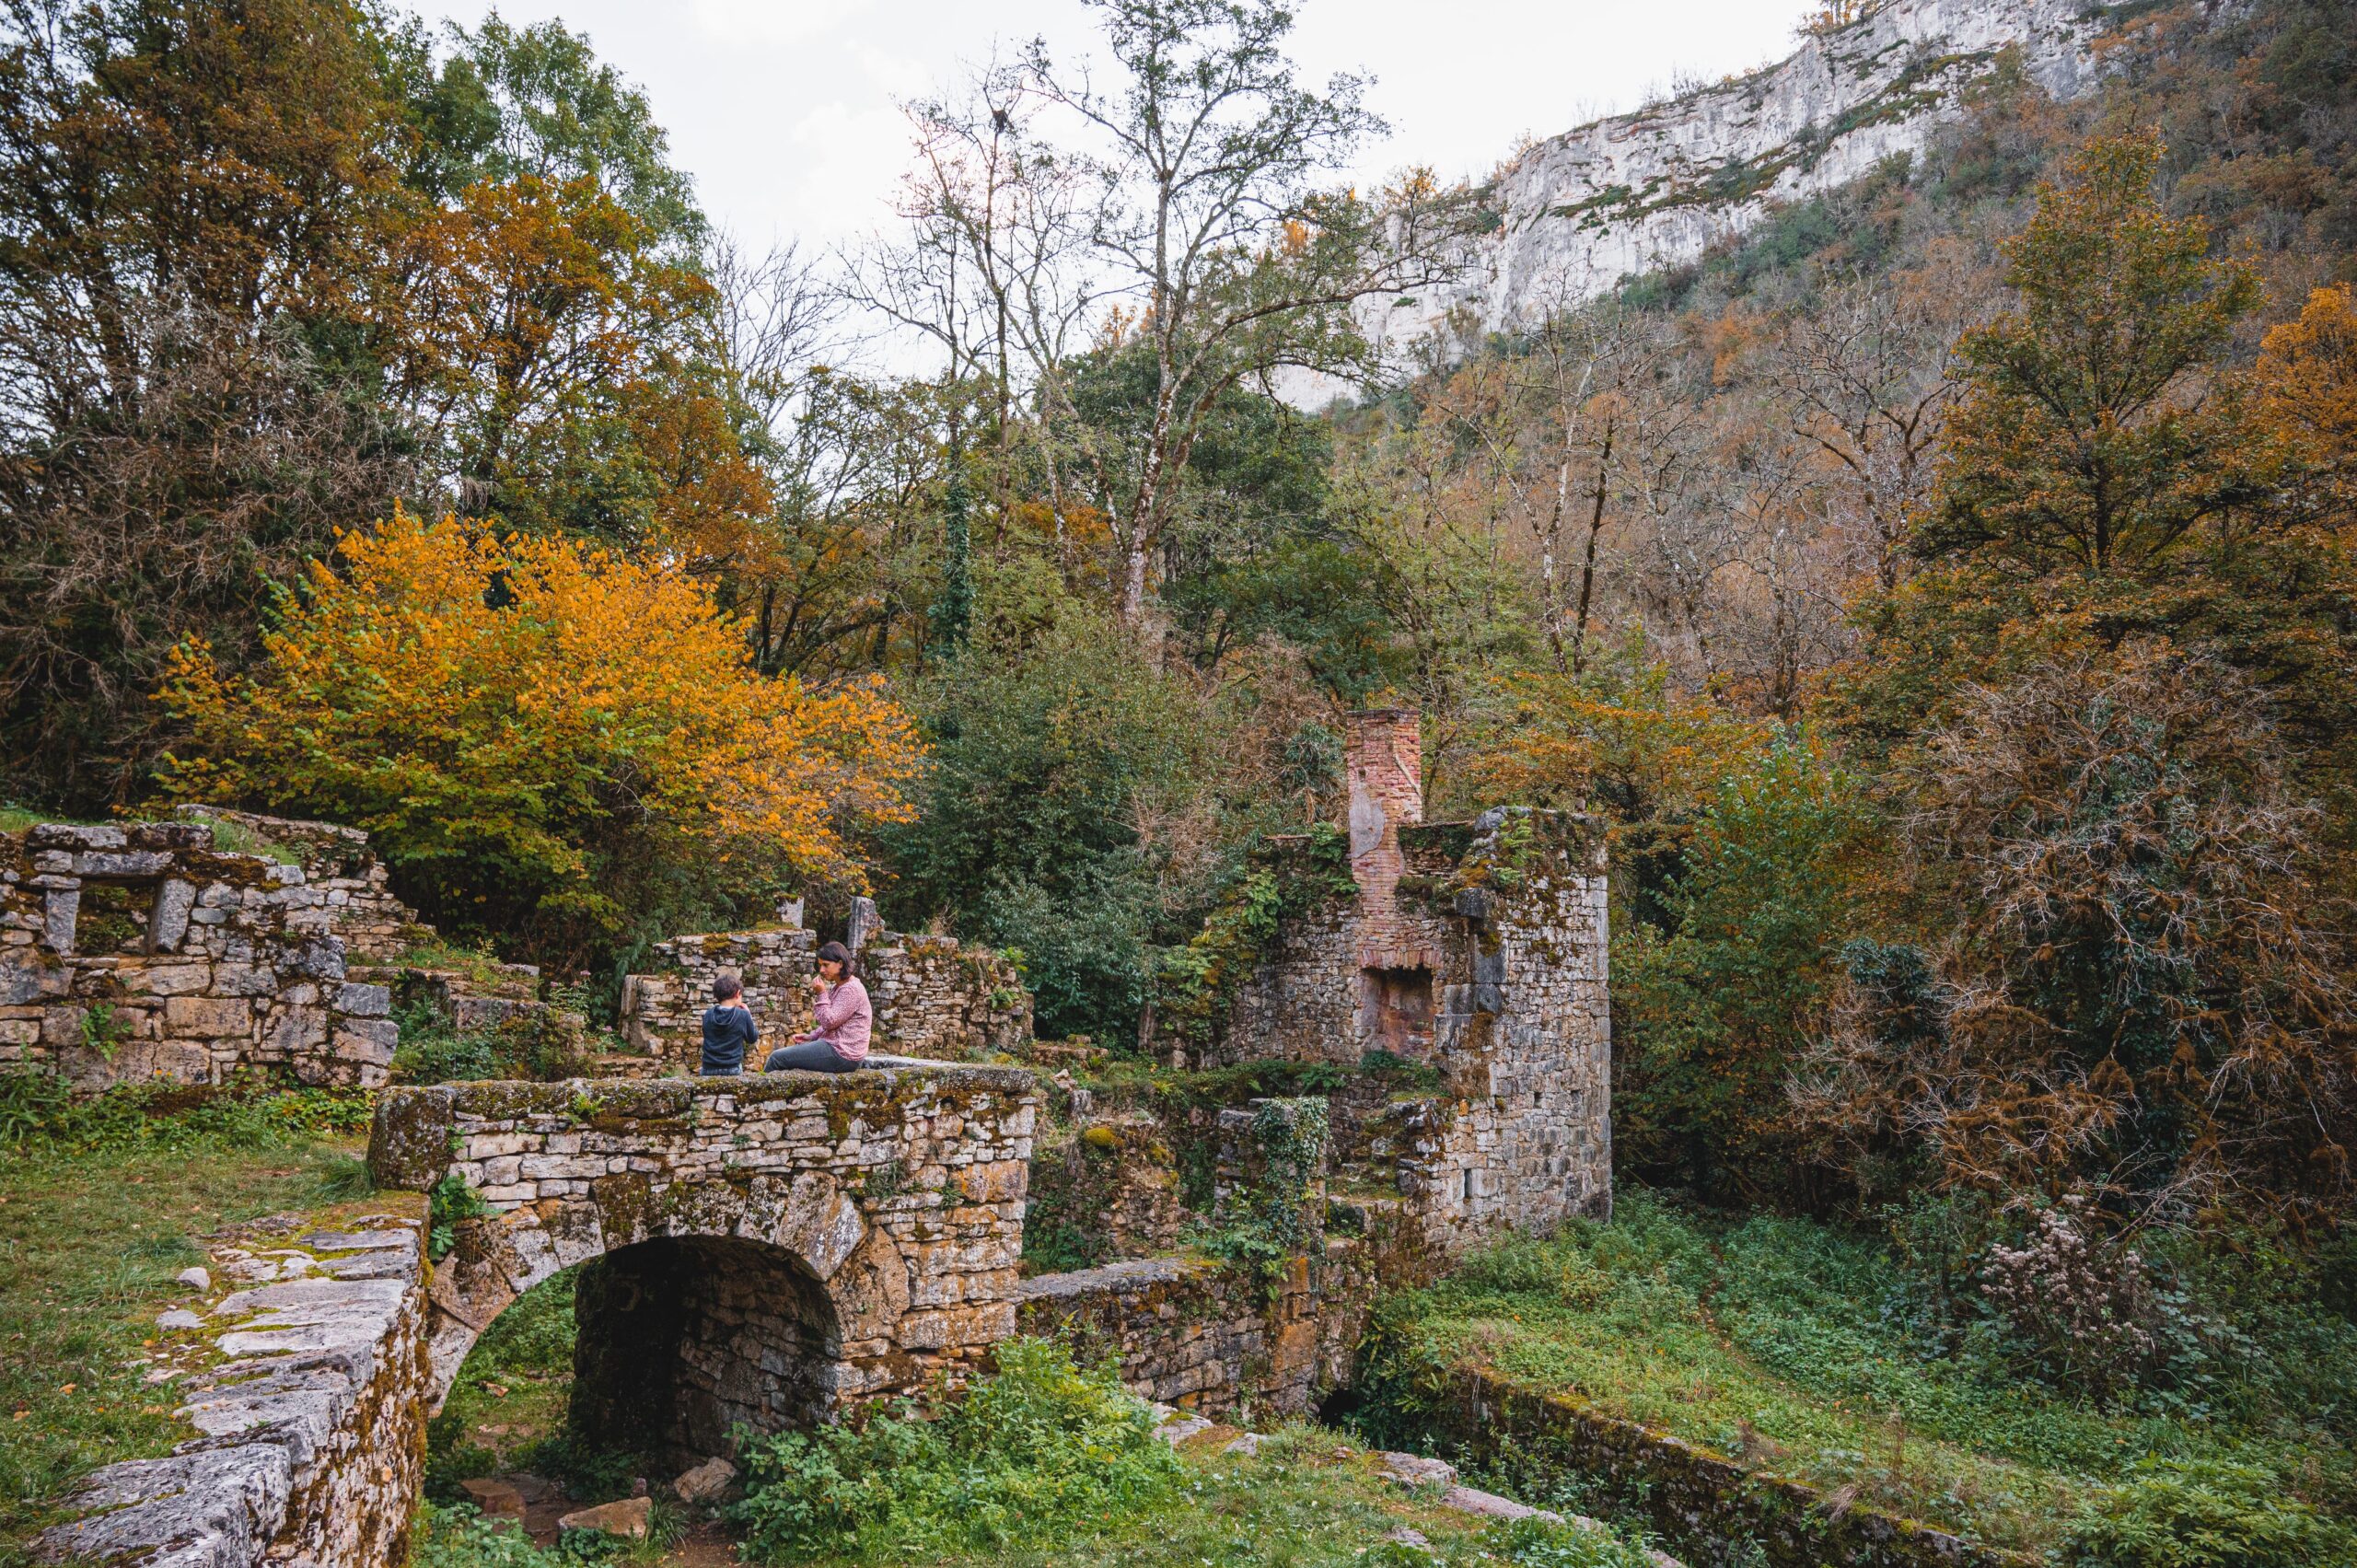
(835, 952)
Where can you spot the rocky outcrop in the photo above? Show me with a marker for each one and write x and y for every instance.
(306, 1387)
(1570, 218)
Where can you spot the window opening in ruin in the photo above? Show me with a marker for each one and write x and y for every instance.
(1469, 1184)
(113, 917)
(1396, 1010)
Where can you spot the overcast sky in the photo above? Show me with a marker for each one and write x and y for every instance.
(784, 110)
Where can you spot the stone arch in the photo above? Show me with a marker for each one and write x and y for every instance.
(888, 1204)
(846, 1283)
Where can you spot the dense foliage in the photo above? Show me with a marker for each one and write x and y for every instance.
(1040, 1448)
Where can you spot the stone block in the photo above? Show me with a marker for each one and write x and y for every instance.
(61, 909)
(166, 980)
(168, 925)
(290, 1031)
(360, 1001)
(129, 862)
(371, 1041)
(27, 975)
(208, 1017)
(75, 836)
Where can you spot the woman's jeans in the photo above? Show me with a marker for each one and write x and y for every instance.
(810, 1056)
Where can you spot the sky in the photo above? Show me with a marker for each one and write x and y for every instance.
(786, 110)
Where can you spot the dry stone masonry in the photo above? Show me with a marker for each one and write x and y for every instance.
(1473, 950)
(303, 1376)
(141, 951)
(777, 1248)
(932, 997)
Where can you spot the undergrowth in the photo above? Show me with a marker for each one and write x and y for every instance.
(1041, 1447)
(1795, 1347)
(40, 1111)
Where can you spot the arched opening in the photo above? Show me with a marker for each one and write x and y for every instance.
(630, 1368)
(682, 1340)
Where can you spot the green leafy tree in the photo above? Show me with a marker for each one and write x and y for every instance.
(1712, 1008)
(2089, 438)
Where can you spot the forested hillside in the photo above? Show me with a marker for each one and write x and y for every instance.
(1946, 590)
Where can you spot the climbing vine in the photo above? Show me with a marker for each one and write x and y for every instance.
(1196, 982)
(1267, 1230)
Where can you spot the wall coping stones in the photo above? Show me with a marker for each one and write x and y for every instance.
(306, 1404)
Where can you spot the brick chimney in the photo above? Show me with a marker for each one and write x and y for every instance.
(1384, 755)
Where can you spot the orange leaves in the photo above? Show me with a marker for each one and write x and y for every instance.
(2307, 378)
(468, 694)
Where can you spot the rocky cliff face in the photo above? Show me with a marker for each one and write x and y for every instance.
(1573, 215)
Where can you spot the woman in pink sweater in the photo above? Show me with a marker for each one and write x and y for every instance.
(839, 1006)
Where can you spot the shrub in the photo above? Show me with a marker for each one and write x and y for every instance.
(2178, 1514)
(1039, 1450)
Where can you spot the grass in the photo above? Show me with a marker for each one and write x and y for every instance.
(1044, 1467)
(1305, 1500)
(90, 1237)
(236, 838)
(511, 1393)
(1792, 1347)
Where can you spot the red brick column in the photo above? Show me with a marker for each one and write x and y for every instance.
(1383, 756)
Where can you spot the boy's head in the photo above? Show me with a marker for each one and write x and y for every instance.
(726, 988)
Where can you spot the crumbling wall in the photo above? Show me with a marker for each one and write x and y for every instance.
(932, 997)
(1214, 1339)
(339, 862)
(1474, 950)
(137, 951)
(303, 1373)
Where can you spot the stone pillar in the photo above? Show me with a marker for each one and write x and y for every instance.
(1384, 757)
(864, 924)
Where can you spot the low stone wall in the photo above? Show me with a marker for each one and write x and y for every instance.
(1697, 1499)
(1210, 1339)
(932, 997)
(306, 1382)
(137, 951)
(341, 864)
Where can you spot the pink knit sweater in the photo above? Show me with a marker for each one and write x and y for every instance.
(842, 1016)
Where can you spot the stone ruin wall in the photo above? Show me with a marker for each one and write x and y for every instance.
(340, 862)
(1476, 949)
(932, 997)
(302, 1373)
(138, 951)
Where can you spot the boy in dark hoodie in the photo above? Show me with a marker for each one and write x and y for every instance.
(728, 1029)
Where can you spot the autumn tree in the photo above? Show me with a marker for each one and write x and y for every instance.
(2089, 438)
(2135, 985)
(547, 740)
(195, 203)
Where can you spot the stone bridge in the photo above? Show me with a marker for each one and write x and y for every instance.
(774, 1248)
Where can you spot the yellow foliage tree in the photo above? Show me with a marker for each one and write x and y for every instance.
(541, 732)
(2307, 378)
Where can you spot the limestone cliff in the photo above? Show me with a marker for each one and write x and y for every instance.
(1571, 216)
